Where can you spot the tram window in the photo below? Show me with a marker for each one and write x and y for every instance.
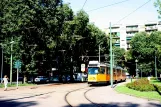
(93, 70)
(108, 70)
(102, 70)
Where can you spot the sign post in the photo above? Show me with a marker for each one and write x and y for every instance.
(17, 65)
(83, 70)
(83, 67)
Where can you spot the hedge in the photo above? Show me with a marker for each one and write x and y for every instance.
(143, 85)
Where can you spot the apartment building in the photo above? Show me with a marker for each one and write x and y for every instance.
(124, 33)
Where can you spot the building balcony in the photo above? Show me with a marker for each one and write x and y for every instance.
(128, 46)
(130, 35)
(151, 28)
(132, 29)
(115, 30)
(117, 44)
(128, 38)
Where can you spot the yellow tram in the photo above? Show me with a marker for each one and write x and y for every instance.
(100, 73)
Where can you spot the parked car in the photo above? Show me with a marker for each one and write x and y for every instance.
(41, 79)
(1, 79)
(54, 79)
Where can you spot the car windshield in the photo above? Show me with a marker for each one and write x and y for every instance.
(93, 70)
(40, 77)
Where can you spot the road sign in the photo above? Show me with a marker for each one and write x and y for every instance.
(17, 64)
(82, 67)
(118, 34)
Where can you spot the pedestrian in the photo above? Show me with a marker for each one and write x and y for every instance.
(5, 81)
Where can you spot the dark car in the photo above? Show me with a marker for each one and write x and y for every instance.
(41, 79)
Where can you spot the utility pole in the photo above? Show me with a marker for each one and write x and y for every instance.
(136, 68)
(111, 65)
(2, 64)
(113, 59)
(11, 61)
(155, 67)
(17, 76)
(99, 53)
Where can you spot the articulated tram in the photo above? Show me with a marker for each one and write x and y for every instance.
(100, 73)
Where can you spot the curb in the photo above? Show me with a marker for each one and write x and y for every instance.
(30, 87)
(149, 99)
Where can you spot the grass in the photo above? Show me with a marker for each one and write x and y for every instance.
(155, 82)
(148, 95)
(14, 85)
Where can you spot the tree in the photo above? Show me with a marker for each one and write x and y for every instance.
(31, 22)
(144, 48)
(41, 28)
(119, 56)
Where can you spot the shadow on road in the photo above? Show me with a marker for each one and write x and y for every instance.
(157, 90)
(128, 104)
(30, 96)
(102, 85)
(8, 103)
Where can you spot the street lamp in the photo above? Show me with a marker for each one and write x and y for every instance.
(99, 53)
(111, 65)
(136, 67)
(11, 62)
(2, 64)
(111, 58)
(141, 70)
(155, 67)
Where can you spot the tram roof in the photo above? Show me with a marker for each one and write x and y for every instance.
(104, 64)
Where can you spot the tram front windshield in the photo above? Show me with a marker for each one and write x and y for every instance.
(93, 70)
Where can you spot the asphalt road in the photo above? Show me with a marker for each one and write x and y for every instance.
(71, 95)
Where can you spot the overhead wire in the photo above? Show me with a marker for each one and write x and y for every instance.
(133, 12)
(108, 5)
(116, 4)
(84, 4)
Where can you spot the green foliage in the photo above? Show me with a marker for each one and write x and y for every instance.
(157, 87)
(153, 78)
(42, 29)
(157, 4)
(119, 56)
(141, 85)
(144, 48)
(14, 85)
(153, 95)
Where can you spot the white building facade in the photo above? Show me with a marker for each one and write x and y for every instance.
(124, 33)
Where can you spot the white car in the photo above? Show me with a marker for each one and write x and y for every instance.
(41, 79)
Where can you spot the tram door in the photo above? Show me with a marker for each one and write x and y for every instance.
(108, 74)
(102, 74)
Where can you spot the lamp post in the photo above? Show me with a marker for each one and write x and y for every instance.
(141, 70)
(99, 53)
(136, 67)
(111, 65)
(2, 64)
(155, 67)
(11, 62)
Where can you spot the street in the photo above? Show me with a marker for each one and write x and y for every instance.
(71, 95)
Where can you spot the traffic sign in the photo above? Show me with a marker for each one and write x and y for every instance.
(17, 64)
(83, 67)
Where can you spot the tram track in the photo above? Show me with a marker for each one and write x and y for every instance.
(84, 95)
(66, 95)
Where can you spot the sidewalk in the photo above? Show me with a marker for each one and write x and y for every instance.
(29, 87)
(108, 97)
(33, 87)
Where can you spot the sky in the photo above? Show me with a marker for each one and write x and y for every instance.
(102, 17)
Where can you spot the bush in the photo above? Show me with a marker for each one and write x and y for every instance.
(159, 79)
(153, 78)
(157, 87)
(141, 85)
